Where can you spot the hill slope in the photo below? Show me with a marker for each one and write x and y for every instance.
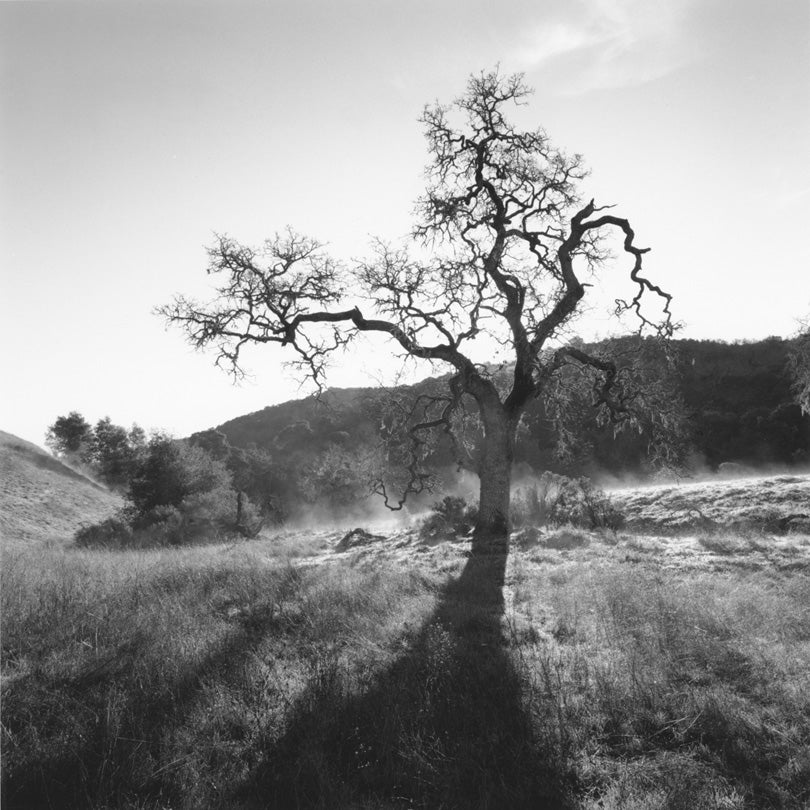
(42, 499)
(737, 396)
(780, 502)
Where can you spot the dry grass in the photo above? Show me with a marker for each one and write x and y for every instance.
(611, 671)
(42, 500)
(155, 679)
(671, 691)
(746, 503)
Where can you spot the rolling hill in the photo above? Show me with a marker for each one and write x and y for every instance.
(737, 398)
(43, 500)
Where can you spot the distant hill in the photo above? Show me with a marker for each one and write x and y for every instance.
(42, 499)
(737, 395)
(315, 421)
(741, 402)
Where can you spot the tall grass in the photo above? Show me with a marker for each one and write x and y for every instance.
(236, 677)
(673, 692)
(153, 679)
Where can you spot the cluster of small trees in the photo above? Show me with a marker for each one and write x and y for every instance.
(176, 491)
(201, 488)
(106, 451)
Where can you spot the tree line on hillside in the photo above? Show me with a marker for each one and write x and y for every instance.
(106, 451)
(176, 491)
(200, 488)
(736, 402)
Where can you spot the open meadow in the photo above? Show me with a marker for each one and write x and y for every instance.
(658, 667)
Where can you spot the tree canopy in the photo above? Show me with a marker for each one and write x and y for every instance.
(69, 435)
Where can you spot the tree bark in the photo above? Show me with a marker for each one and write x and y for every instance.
(491, 535)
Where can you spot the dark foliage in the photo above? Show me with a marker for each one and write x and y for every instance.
(178, 493)
(737, 398)
(450, 518)
(171, 472)
(106, 451)
(69, 434)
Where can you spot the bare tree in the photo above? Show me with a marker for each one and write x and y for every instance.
(498, 254)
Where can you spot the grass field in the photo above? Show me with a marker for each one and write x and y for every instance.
(664, 667)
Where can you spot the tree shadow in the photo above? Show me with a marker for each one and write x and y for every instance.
(443, 727)
(88, 758)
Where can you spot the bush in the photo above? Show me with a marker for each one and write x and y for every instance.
(449, 518)
(557, 500)
(115, 532)
(565, 538)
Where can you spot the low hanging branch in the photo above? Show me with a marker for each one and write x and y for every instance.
(507, 239)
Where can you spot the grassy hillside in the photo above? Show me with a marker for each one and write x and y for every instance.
(778, 503)
(43, 500)
(640, 670)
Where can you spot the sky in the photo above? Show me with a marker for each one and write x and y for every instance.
(131, 132)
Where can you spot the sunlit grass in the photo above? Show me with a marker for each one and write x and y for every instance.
(672, 691)
(746, 503)
(117, 667)
(626, 671)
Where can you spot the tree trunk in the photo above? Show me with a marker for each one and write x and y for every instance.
(491, 535)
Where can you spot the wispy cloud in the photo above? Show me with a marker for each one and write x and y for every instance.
(611, 43)
(555, 39)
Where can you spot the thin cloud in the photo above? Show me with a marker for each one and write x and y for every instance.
(555, 39)
(612, 43)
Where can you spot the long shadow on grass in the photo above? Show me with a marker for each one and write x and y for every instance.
(442, 728)
(102, 730)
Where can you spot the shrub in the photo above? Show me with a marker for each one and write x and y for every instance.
(602, 512)
(558, 500)
(566, 537)
(448, 518)
(115, 532)
(163, 526)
